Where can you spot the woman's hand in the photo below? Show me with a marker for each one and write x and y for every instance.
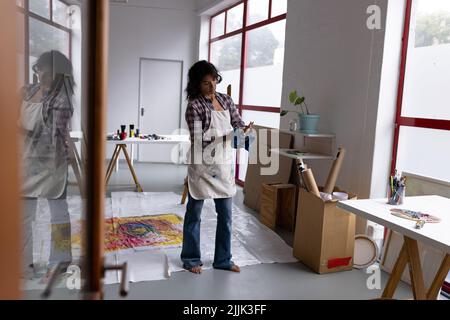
(250, 126)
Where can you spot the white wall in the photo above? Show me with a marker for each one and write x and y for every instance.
(336, 62)
(161, 29)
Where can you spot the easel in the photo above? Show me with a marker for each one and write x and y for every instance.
(112, 163)
(409, 254)
(75, 161)
(185, 191)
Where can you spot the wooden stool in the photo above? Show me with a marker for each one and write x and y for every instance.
(185, 191)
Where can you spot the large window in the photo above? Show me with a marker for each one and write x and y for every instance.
(247, 45)
(46, 26)
(422, 134)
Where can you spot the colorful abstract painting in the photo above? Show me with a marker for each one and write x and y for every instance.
(143, 232)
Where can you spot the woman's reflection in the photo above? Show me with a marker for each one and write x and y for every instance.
(46, 113)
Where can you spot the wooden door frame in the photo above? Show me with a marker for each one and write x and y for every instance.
(96, 108)
(10, 217)
(96, 68)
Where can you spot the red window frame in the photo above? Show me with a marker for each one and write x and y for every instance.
(408, 121)
(244, 31)
(25, 10)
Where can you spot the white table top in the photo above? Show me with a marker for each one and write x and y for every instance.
(76, 135)
(169, 139)
(436, 235)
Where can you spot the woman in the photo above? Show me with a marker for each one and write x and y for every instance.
(211, 117)
(45, 120)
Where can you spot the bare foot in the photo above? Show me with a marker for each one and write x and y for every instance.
(197, 269)
(235, 268)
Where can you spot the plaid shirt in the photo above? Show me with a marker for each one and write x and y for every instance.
(57, 113)
(200, 109)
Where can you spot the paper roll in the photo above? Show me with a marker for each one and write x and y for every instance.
(334, 171)
(301, 166)
(310, 182)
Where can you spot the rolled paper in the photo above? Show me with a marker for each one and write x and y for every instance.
(310, 182)
(301, 166)
(334, 171)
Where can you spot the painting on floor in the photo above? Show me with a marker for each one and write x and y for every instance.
(159, 231)
(139, 233)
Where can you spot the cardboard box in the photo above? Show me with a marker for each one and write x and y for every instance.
(324, 234)
(254, 179)
(287, 206)
(268, 210)
(278, 205)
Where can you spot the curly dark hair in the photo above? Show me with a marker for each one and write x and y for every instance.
(197, 72)
(59, 68)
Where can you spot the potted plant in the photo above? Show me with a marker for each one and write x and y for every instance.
(308, 122)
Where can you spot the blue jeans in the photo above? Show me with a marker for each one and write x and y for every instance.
(190, 254)
(59, 216)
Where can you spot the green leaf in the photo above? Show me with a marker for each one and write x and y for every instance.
(299, 100)
(293, 96)
(283, 113)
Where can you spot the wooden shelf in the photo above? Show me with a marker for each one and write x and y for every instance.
(301, 155)
(310, 135)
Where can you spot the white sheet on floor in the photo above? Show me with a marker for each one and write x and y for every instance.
(252, 242)
(142, 266)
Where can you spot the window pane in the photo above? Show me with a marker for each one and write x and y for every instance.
(243, 164)
(226, 56)
(40, 7)
(425, 152)
(21, 48)
(258, 10)
(266, 119)
(427, 79)
(44, 37)
(261, 118)
(265, 61)
(60, 13)
(218, 25)
(234, 18)
(279, 7)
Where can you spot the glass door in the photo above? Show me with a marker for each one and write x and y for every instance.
(62, 54)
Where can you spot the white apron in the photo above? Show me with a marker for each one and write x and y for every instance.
(44, 168)
(214, 178)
